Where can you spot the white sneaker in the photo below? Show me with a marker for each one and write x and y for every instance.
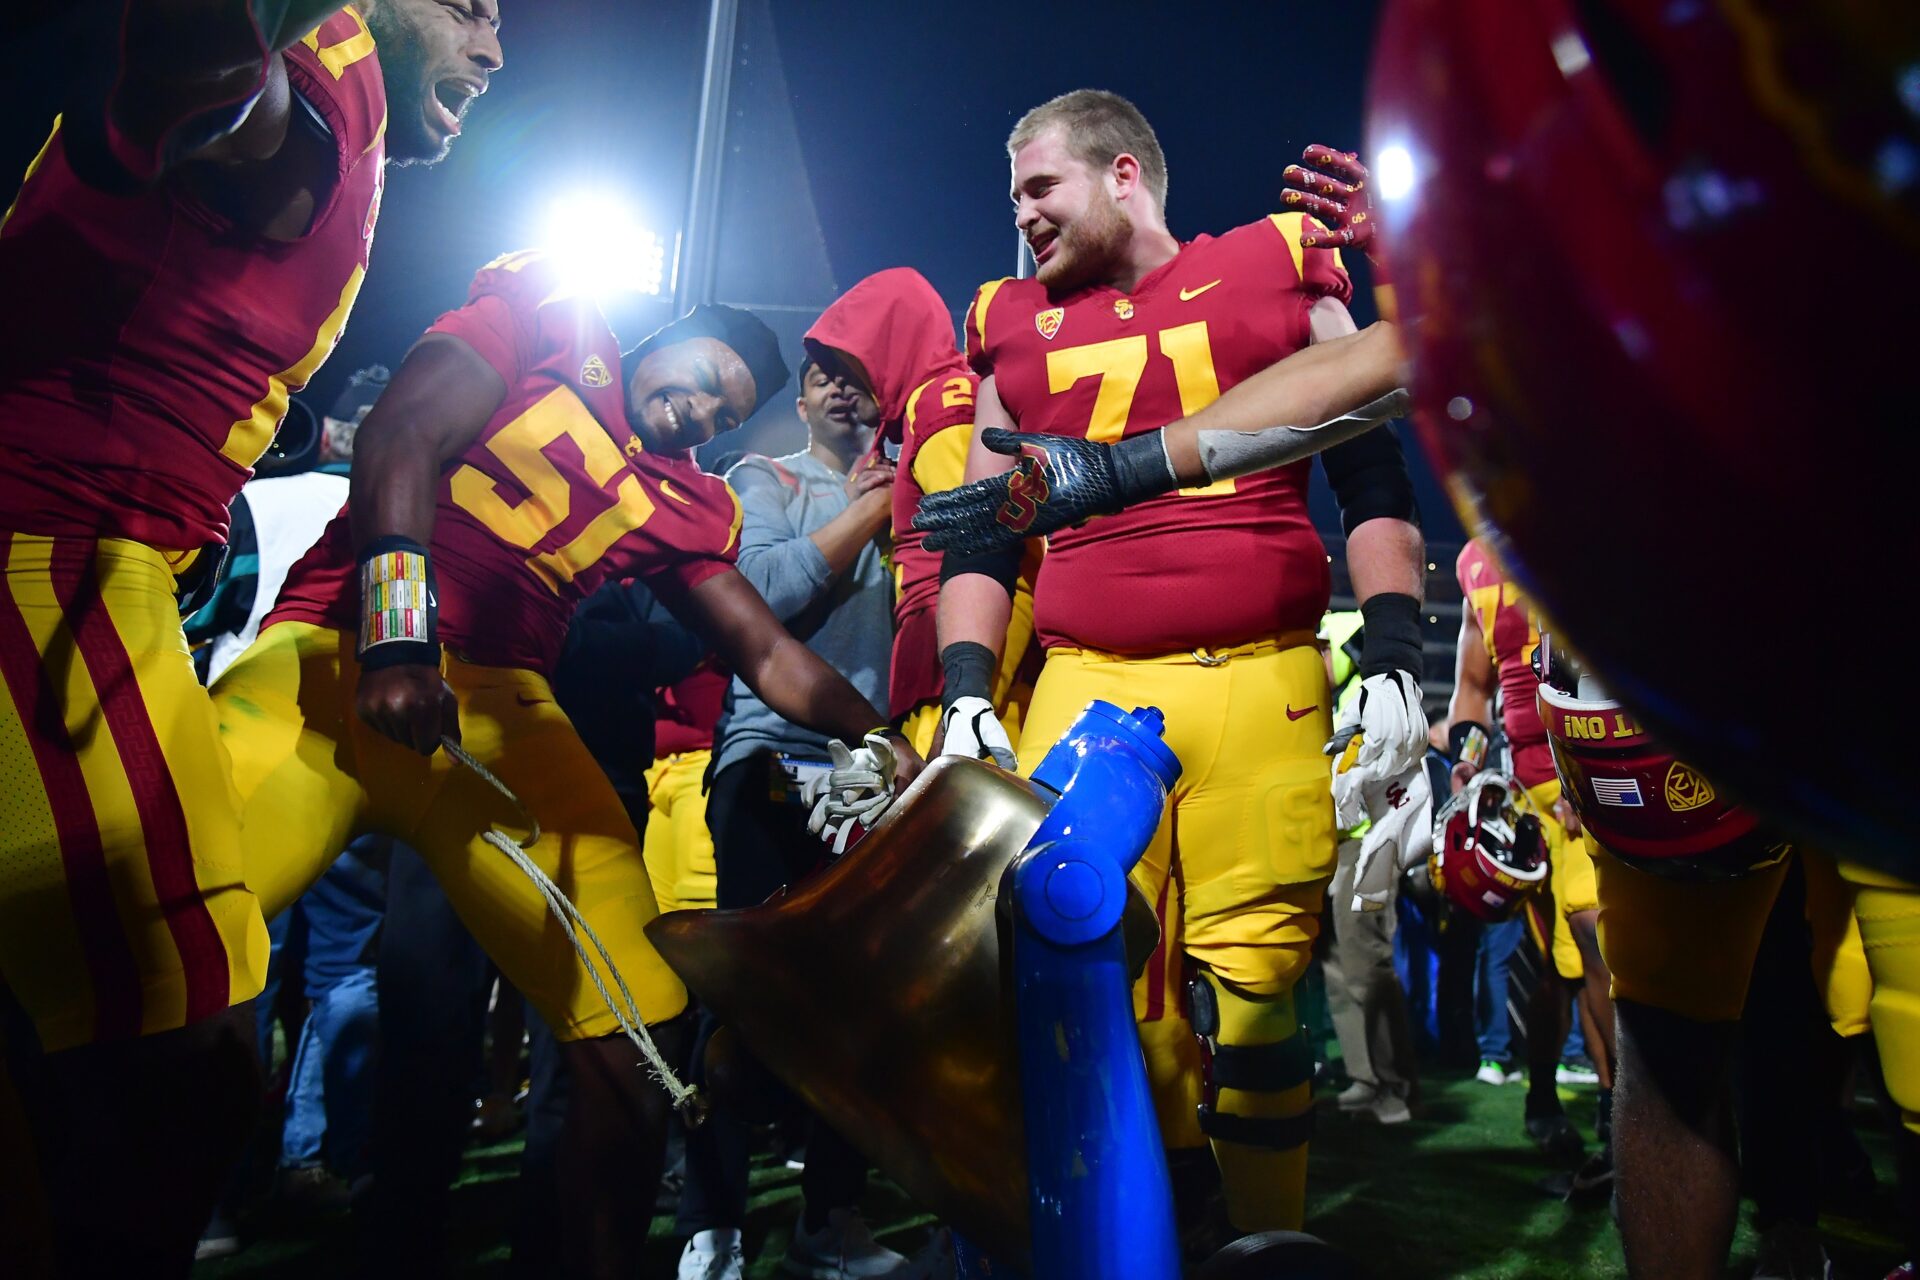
(844, 1249)
(1491, 1072)
(713, 1255)
(1575, 1073)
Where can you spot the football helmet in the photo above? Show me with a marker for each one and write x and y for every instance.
(1598, 214)
(1488, 850)
(1646, 806)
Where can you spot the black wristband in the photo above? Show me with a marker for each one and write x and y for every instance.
(1003, 566)
(969, 668)
(1392, 638)
(1457, 739)
(398, 606)
(1141, 469)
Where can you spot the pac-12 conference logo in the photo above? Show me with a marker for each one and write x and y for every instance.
(594, 373)
(1686, 789)
(1048, 322)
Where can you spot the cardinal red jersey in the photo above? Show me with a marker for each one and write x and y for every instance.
(1205, 567)
(897, 327)
(155, 344)
(1512, 634)
(554, 497)
(685, 713)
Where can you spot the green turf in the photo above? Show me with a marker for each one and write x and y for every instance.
(1452, 1194)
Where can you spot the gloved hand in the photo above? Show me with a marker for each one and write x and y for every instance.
(1338, 192)
(1393, 724)
(970, 728)
(1399, 808)
(854, 793)
(1059, 481)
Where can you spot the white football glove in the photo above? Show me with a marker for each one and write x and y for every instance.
(974, 731)
(1400, 837)
(854, 793)
(1393, 725)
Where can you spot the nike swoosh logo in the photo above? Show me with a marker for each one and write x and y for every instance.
(1188, 295)
(666, 487)
(1296, 715)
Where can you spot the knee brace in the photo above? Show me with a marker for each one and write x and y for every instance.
(1255, 1048)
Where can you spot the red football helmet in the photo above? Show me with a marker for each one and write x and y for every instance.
(1609, 223)
(1487, 853)
(1634, 797)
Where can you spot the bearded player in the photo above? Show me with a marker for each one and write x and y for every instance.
(1203, 601)
(1498, 638)
(892, 334)
(193, 235)
(507, 472)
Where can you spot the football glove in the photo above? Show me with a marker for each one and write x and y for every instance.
(1337, 191)
(1058, 481)
(1400, 811)
(970, 728)
(845, 802)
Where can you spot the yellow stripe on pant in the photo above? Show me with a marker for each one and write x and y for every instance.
(312, 775)
(122, 906)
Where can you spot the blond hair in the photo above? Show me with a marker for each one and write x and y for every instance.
(1098, 126)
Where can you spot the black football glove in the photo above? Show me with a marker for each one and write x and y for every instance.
(1058, 482)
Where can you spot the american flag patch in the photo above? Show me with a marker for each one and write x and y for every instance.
(1621, 793)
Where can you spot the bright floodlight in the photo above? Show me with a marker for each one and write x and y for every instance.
(1396, 172)
(602, 248)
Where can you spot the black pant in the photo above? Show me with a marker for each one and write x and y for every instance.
(434, 980)
(760, 845)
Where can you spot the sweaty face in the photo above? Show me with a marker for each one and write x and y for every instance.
(684, 395)
(1072, 223)
(436, 56)
(835, 401)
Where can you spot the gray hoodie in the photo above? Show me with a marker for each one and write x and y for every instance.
(847, 620)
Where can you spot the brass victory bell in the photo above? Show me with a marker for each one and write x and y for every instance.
(878, 992)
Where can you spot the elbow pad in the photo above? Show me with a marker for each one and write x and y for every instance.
(1370, 480)
(1003, 566)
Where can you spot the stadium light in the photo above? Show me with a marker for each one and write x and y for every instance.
(602, 248)
(1396, 172)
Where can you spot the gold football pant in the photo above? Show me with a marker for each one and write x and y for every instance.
(123, 910)
(1237, 875)
(1688, 948)
(311, 776)
(678, 845)
(1571, 883)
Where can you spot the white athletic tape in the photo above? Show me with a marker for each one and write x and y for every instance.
(686, 1098)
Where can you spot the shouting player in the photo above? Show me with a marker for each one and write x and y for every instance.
(1203, 601)
(892, 334)
(510, 469)
(193, 235)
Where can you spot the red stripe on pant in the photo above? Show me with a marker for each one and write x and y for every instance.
(163, 823)
(111, 968)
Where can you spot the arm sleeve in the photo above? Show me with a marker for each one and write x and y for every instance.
(1369, 478)
(779, 560)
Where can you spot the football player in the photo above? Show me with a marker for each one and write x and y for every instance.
(892, 334)
(1498, 637)
(516, 462)
(192, 237)
(1202, 601)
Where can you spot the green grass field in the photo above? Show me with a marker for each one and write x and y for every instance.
(1452, 1194)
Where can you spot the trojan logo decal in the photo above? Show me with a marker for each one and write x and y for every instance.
(1048, 322)
(1027, 489)
(633, 448)
(594, 373)
(1123, 307)
(1686, 789)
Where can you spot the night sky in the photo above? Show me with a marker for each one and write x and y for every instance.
(865, 134)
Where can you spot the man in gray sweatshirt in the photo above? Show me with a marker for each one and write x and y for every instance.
(810, 541)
